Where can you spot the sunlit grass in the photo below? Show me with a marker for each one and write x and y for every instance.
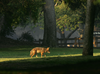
(71, 55)
(19, 58)
(11, 59)
(16, 54)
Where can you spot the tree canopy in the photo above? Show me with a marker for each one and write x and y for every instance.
(21, 10)
(18, 12)
(65, 16)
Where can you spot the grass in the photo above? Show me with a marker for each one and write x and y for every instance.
(24, 52)
(71, 58)
(7, 54)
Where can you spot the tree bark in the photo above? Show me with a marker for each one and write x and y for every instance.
(49, 24)
(89, 26)
(1, 21)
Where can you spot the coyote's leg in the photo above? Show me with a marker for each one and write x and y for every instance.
(36, 56)
(33, 55)
(43, 54)
(36, 53)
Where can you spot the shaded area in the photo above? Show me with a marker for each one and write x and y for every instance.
(73, 65)
(8, 42)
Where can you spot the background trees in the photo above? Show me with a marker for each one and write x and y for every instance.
(68, 16)
(89, 23)
(18, 12)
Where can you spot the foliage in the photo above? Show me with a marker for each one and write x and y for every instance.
(29, 11)
(78, 4)
(41, 20)
(65, 17)
(18, 12)
(74, 4)
(21, 10)
(26, 37)
(96, 2)
(6, 31)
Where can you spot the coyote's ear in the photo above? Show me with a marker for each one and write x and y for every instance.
(48, 48)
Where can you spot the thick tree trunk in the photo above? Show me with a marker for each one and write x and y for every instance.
(89, 26)
(1, 21)
(49, 24)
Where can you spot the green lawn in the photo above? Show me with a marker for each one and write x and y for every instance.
(19, 58)
(55, 52)
(7, 54)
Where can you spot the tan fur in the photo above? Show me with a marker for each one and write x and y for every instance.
(41, 50)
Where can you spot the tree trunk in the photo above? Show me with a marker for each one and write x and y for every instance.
(1, 23)
(62, 33)
(49, 24)
(89, 26)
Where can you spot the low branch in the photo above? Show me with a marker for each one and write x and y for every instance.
(72, 33)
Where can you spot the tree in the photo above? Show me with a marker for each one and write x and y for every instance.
(66, 19)
(18, 12)
(49, 24)
(1, 21)
(89, 26)
(6, 28)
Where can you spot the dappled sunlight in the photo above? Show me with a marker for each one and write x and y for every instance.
(96, 54)
(11, 59)
(66, 55)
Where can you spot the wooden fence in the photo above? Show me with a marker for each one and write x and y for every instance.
(78, 42)
(71, 42)
(38, 43)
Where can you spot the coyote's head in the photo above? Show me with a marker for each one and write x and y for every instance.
(47, 50)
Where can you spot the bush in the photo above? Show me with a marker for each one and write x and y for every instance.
(26, 37)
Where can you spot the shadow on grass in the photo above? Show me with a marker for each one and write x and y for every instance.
(53, 65)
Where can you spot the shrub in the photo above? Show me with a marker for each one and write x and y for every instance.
(26, 37)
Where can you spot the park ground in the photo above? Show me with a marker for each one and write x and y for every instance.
(16, 60)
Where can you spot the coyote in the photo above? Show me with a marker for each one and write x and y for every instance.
(41, 50)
